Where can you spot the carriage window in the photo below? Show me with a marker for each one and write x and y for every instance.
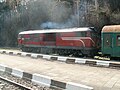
(118, 40)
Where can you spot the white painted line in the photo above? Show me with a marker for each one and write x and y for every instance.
(63, 59)
(34, 55)
(17, 72)
(1, 51)
(41, 79)
(103, 63)
(54, 56)
(7, 52)
(2, 67)
(23, 54)
(80, 61)
(15, 53)
(46, 57)
(75, 86)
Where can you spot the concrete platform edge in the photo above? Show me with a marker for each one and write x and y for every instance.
(45, 80)
(68, 60)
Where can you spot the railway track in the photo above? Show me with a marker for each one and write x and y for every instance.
(20, 86)
(38, 58)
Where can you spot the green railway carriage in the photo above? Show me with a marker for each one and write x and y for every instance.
(110, 36)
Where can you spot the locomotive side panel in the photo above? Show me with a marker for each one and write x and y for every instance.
(49, 39)
(75, 39)
(68, 40)
(32, 39)
(84, 42)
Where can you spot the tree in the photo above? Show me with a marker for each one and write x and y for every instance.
(20, 15)
(114, 5)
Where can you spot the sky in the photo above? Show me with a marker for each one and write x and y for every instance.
(2, 0)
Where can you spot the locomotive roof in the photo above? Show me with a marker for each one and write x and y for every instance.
(55, 30)
(111, 28)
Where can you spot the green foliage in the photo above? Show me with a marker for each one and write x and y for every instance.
(4, 7)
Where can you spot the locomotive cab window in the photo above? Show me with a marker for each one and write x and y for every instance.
(93, 34)
(19, 36)
(118, 40)
(81, 34)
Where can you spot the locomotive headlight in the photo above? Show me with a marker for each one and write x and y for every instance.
(22, 38)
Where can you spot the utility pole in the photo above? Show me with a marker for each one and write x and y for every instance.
(96, 5)
(96, 9)
(76, 10)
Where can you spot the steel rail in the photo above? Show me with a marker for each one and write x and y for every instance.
(23, 87)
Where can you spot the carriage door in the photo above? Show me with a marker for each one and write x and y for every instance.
(107, 43)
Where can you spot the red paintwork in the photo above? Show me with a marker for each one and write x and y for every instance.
(79, 43)
(72, 40)
(62, 39)
(19, 41)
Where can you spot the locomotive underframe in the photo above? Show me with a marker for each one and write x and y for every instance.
(61, 50)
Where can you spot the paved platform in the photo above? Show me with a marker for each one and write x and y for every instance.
(73, 60)
(97, 77)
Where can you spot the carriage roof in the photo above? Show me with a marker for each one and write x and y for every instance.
(56, 30)
(111, 28)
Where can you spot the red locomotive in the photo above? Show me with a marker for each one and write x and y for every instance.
(76, 41)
